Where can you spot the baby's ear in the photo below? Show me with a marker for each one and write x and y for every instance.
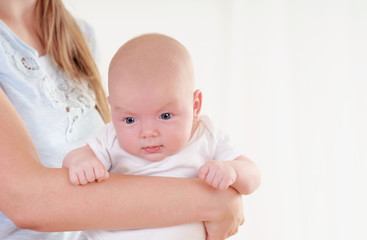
(197, 101)
(108, 100)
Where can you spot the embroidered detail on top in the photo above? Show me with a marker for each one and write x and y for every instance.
(73, 98)
(27, 64)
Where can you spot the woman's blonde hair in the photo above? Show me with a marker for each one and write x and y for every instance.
(65, 43)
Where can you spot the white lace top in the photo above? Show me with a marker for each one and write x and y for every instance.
(59, 116)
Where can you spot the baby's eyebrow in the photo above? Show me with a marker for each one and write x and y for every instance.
(120, 109)
(169, 104)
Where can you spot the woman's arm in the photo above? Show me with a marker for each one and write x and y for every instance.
(42, 199)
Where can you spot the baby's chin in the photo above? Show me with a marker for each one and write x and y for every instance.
(154, 157)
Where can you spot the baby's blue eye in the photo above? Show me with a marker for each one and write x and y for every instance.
(166, 116)
(130, 120)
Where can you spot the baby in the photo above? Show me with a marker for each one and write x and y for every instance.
(157, 130)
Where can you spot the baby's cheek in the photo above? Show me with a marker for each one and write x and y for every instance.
(129, 144)
(175, 144)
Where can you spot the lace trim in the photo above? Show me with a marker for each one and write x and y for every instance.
(68, 97)
(26, 64)
(73, 98)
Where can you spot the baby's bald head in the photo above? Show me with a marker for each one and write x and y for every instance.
(152, 59)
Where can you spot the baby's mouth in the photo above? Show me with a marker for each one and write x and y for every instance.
(152, 149)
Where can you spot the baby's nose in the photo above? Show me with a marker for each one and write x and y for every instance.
(149, 130)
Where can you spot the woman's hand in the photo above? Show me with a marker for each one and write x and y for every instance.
(230, 220)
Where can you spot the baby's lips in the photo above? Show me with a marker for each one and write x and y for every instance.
(152, 149)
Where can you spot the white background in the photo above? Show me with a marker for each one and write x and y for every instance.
(288, 80)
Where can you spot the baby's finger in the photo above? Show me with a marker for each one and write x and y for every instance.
(82, 178)
(89, 174)
(100, 173)
(210, 177)
(73, 178)
(203, 171)
(106, 174)
(217, 181)
(223, 185)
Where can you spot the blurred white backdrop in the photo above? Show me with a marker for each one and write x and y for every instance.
(288, 80)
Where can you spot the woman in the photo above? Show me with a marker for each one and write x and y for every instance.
(51, 101)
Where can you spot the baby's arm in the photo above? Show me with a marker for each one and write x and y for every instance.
(84, 166)
(240, 173)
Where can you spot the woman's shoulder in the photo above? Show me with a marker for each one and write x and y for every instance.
(85, 27)
(90, 37)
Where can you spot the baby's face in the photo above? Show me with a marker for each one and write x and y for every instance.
(152, 121)
(151, 96)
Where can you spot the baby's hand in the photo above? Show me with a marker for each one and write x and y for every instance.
(84, 166)
(218, 174)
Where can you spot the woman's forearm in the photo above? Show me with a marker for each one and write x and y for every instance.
(48, 202)
(121, 202)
